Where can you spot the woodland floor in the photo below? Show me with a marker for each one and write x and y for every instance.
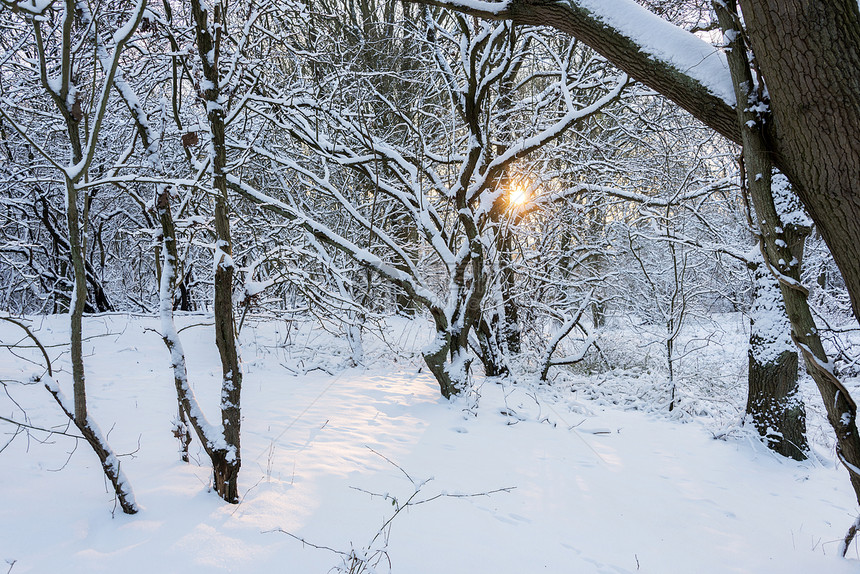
(589, 474)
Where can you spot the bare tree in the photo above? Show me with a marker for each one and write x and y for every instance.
(450, 187)
(60, 46)
(791, 40)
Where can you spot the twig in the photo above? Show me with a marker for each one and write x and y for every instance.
(241, 500)
(305, 542)
(34, 339)
(32, 427)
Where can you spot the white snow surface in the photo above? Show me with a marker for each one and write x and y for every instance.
(771, 321)
(667, 42)
(595, 487)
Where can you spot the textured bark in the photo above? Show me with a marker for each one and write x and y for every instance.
(776, 248)
(225, 470)
(436, 359)
(809, 54)
(776, 409)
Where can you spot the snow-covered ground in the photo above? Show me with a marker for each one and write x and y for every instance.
(575, 477)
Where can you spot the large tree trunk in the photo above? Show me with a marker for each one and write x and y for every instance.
(809, 54)
(776, 244)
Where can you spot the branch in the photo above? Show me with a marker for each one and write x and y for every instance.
(34, 339)
(662, 56)
(31, 427)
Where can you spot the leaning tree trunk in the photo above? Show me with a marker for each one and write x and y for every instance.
(809, 57)
(169, 334)
(78, 413)
(775, 243)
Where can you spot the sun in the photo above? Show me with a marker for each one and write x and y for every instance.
(518, 195)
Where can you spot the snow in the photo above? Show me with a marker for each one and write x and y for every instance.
(593, 487)
(667, 42)
(126, 30)
(34, 6)
(787, 204)
(772, 327)
(659, 38)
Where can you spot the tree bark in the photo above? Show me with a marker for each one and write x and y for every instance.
(776, 248)
(436, 358)
(225, 462)
(488, 332)
(773, 402)
(809, 55)
(77, 303)
(167, 290)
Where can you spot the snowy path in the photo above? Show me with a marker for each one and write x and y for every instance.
(621, 492)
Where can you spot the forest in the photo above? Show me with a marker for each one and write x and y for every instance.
(500, 218)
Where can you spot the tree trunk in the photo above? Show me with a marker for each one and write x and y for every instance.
(773, 403)
(167, 289)
(809, 57)
(76, 305)
(436, 357)
(491, 355)
(79, 166)
(110, 463)
(511, 334)
(225, 462)
(776, 248)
